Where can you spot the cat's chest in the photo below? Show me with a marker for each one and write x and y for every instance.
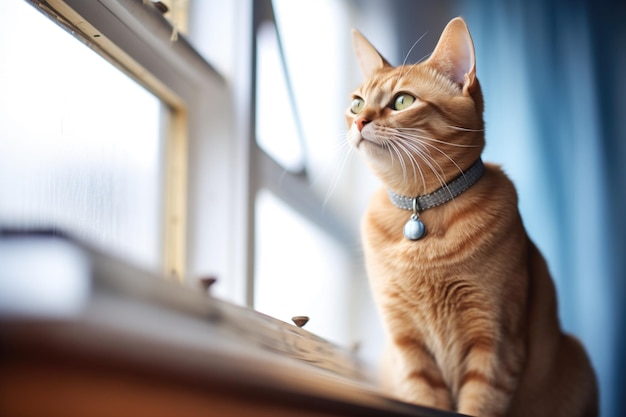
(423, 269)
(384, 240)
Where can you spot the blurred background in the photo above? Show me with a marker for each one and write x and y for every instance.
(277, 220)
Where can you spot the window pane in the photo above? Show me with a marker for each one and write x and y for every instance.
(276, 130)
(80, 146)
(319, 70)
(300, 271)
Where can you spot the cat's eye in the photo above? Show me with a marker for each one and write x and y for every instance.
(402, 101)
(357, 105)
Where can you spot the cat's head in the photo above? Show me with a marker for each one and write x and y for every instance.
(418, 125)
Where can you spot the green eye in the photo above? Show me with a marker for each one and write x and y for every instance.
(357, 105)
(402, 101)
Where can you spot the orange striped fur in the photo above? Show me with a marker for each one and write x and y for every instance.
(470, 309)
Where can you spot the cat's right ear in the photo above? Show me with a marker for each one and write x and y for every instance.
(370, 60)
(454, 54)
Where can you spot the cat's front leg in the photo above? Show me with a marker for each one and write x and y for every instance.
(415, 377)
(486, 386)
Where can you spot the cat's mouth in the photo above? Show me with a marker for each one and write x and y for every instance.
(367, 142)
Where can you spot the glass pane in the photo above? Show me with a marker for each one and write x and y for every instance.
(276, 130)
(80, 146)
(300, 271)
(318, 59)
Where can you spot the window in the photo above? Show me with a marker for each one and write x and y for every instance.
(300, 243)
(300, 270)
(74, 155)
(104, 157)
(278, 130)
(233, 161)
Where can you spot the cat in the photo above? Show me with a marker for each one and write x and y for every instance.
(467, 301)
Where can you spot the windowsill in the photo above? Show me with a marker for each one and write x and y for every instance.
(139, 345)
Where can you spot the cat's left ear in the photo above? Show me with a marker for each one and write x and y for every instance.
(454, 54)
(370, 60)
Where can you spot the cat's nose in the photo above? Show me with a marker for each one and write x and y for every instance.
(361, 122)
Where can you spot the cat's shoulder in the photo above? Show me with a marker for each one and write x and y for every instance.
(497, 180)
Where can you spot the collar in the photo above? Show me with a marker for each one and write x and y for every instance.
(414, 229)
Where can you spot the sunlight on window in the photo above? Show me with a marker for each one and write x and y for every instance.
(318, 51)
(300, 271)
(80, 146)
(277, 132)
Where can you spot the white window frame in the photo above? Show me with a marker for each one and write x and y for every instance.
(292, 188)
(135, 37)
(213, 165)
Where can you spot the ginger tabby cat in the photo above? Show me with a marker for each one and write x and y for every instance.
(468, 304)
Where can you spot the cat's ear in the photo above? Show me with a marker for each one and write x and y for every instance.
(454, 54)
(370, 60)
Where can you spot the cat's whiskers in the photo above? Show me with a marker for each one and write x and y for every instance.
(346, 150)
(412, 160)
(399, 149)
(427, 158)
(420, 155)
(335, 182)
(421, 136)
(412, 66)
(413, 145)
(431, 146)
(407, 57)
(394, 149)
(412, 149)
(464, 129)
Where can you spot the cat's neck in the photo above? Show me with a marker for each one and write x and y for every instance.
(443, 194)
(425, 179)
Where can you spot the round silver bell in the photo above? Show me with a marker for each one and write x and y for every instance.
(414, 229)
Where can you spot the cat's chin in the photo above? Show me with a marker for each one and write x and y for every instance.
(373, 151)
(367, 145)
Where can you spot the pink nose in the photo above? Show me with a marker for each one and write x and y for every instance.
(361, 122)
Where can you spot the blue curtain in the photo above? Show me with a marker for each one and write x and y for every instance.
(554, 79)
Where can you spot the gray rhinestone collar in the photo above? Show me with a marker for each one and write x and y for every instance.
(414, 229)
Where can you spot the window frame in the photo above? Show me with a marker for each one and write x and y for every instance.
(213, 167)
(292, 188)
(136, 38)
